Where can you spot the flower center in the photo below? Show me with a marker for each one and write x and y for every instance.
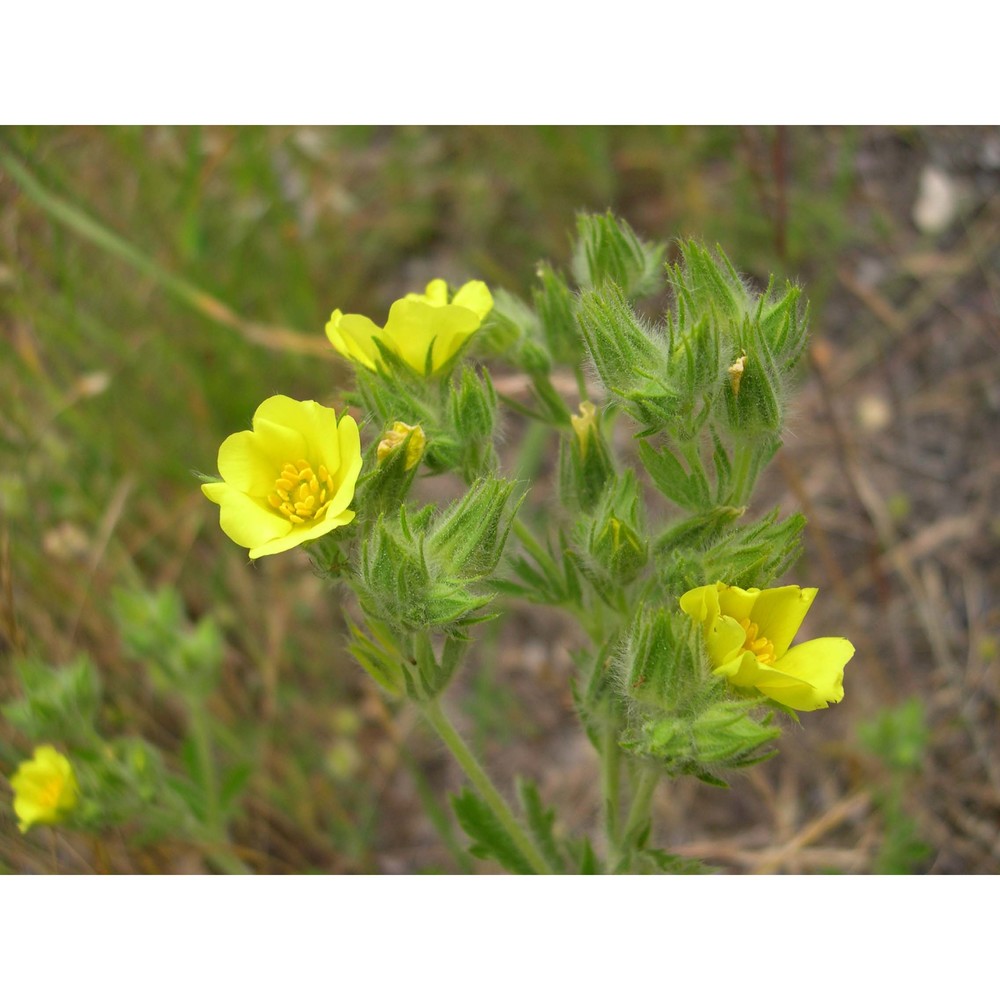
(760, 646)
(301, 494)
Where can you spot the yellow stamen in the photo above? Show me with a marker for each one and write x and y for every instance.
(301, 494)
(760, 646)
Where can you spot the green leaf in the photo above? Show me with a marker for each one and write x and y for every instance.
(233, 783)
(540, 822)
(588, 859)
(489, 837)
(689, 490)
(673, 864)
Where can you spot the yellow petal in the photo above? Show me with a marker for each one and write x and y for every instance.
(354, 337)
(45, 788)
(779, 612)
(244, 464)
(413, 326)
(724, 638)
(349, 467)
(435, 294)
(702, 603)
(737, 602)
(809, 675)
(247, 521)
(302, 533)
(476, 297)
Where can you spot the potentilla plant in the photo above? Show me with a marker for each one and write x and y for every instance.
(689, 652)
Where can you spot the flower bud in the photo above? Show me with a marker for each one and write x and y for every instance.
(403, 434)
(585, 465)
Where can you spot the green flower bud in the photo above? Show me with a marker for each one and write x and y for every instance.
(554, 305)
(472, 406)
(585, 464)
(470, 536)
(616, 546)
(607, 249)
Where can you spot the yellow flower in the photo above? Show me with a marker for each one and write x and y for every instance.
(288, 480)
(424, 330)
(748, 633)
(45, 789)
(392, 439)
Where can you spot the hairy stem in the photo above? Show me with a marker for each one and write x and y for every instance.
(441, 724)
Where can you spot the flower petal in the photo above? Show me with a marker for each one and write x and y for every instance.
(702, 603)
(818, 663)
(414, 325)
(247, 466)
(779, 613)
(475, 296)
(354, 337)
(737, 602)
(435, 294)
(349, 466)
(245, 520)
(724, 638)
(302, 533)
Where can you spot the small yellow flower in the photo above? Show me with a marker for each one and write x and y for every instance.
(748, 633)
(290, 479)
(424, 330)
(392, 439)
(45, 789)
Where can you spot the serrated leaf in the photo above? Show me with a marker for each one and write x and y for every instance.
(489, 837)
(540, 822)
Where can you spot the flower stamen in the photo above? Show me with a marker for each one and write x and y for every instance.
(300, 493)
(759, 645)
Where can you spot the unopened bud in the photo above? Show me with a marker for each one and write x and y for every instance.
(412, 436)
(585, 424)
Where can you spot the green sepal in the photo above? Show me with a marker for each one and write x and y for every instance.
(378, 656)
(585, 466)
(625, 354)
(607, 249)
(550, 577)
(612, 542)
(753, 555)
(554, 305)
(469, 537)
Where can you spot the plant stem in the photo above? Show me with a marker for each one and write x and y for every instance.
(610, 781)
(638, 817)
(440, 723)
(219, 854)
(743, 478)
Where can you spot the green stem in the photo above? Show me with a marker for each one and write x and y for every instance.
(219, 854)
(743, 478)
(440, 723)
(638, 817)
(200, 734)
(610, 781)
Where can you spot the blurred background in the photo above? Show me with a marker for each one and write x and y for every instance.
(157, 283)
